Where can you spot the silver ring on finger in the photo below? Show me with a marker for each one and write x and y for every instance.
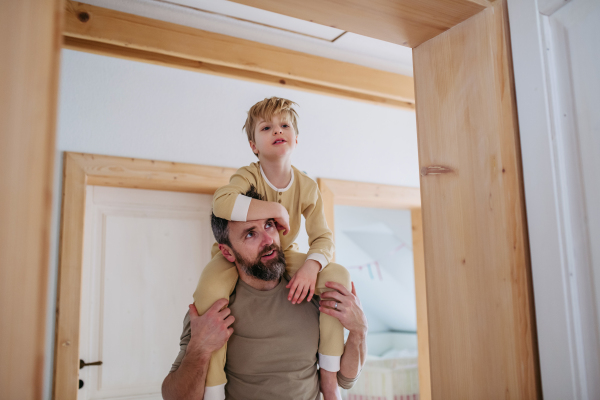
(336, 304)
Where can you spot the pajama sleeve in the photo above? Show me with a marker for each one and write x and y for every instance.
(320, 237)
(229, 201)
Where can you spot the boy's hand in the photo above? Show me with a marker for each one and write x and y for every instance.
(283, 220)
(303, 282)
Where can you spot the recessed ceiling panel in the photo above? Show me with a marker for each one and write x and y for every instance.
(256, 15)
(241, 21)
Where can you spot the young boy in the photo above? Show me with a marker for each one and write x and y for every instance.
(272, 132)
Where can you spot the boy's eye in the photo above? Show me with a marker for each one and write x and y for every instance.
(266, 128)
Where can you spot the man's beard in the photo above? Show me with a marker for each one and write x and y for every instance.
(268, 271)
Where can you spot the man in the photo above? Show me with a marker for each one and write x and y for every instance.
(273, 352)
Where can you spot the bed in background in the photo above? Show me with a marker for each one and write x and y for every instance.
(391, 370)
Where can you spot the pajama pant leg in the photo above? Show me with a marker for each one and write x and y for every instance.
(217, 281)
(331, 343)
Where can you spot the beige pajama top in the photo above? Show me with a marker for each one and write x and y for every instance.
(300, 197)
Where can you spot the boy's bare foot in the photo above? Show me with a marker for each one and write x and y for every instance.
(329, 386)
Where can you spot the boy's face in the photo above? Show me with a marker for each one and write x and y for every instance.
(274, 139)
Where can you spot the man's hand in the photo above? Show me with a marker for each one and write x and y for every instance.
(210, 331)
(348, 310)
(303, 282)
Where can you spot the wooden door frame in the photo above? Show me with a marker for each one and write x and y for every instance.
(362, 194)
(113, 33)
(81, 170)
(474, 112)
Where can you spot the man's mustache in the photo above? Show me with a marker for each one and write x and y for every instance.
(268, 248)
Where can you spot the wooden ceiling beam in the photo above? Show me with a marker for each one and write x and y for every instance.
(108, 32)
(405, 22)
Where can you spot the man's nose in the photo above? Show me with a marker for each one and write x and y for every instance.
(267, 240)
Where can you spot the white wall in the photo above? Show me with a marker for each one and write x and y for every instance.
(387, 290)
(117, 107)
(123, 108)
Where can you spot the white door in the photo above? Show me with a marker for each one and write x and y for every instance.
(556, 53)
(143, 254)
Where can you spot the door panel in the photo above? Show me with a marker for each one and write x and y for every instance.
(144, 251)
(556, 55)
(479, 296)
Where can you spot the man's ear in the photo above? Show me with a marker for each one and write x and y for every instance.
(227, 252)
(253, 147)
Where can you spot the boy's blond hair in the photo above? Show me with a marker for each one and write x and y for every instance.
(265, 109)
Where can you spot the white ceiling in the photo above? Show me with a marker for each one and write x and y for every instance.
(233, 19)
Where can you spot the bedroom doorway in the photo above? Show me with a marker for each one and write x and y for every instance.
(379, 238)
(473, 200)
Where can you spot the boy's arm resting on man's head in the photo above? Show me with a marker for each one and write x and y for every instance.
(259, 209)
(202, 335)
(229, 201)
(320, 237)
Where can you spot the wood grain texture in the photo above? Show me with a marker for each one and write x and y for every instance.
(363, 194)
(29, 69)
(482, 338)
(81, 170)
(96, 24)
(150, 174)
(164, 60)
(421, 300)
(66, 345)
(404, 22)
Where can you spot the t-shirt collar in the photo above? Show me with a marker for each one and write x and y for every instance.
(273, 186)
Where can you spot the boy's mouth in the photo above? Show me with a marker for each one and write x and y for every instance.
(279, 141)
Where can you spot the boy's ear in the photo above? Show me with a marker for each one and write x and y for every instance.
(227, 253)
(253, 147)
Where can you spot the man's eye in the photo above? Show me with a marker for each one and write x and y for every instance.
(249, 235)
(269, 225)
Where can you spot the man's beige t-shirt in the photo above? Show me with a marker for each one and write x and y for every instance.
(272, 353)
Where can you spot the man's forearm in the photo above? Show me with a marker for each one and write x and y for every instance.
(188, 381)
(355, 353)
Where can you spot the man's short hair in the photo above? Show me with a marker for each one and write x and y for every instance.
(220, 226)
(266, 109)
